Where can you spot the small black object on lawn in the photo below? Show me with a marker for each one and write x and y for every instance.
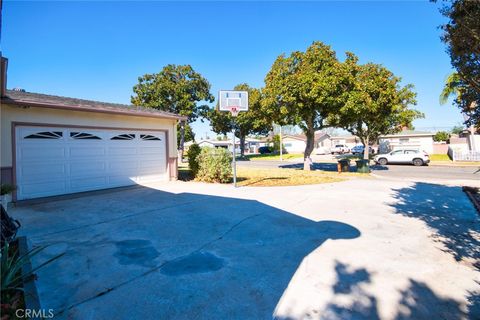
(363, 166)
(343, 165)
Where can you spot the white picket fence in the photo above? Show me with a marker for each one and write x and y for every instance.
(462, 155)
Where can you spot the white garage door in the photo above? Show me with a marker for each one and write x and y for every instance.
(54, 161)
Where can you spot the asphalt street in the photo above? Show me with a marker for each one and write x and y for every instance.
(388, 171)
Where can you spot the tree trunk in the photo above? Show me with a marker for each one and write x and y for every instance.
(242, 145)
(182, 141)
(366, 150)
(307, 161)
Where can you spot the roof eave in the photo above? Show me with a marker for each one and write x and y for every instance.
(27, 103)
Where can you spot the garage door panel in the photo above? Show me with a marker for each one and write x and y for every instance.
(120, 181)
(119, 165)
(58, 161)
(116, 151)
(90, 183)
(87, 151)
(150, 150)
(48, 188)
(151, 165)
(87, 168)
(35, 153)
(34, 173)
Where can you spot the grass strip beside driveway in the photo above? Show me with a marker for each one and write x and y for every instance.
(256, 177)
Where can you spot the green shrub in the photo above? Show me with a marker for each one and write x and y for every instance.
(6, 189)
(214, 165)
(441, 136)
(192, 155)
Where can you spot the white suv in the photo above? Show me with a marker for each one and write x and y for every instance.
(340, 148)
(413, 156)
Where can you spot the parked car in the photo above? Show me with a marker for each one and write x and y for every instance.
(264, 150)
(360, 148)
(413, 156)
(321, 150)
(340, 148)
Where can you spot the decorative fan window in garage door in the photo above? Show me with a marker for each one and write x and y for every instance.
(84, 136)
(126, 136)
(45, 135)
(149, 137)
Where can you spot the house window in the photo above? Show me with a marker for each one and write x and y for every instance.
(45, 135)
(287, 145)
(403, 140)
(84, 136)
(149, 137)
(125, 136)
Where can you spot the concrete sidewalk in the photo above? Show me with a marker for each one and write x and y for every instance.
(360, 249)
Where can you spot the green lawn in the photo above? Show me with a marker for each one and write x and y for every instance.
(287, 156)
(254, 177)
(439, 157)
(257, 177)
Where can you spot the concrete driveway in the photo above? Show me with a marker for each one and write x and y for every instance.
(360, 249)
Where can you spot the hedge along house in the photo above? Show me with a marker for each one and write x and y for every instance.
(53, 145)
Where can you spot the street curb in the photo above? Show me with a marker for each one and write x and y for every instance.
(453, 164)
(475, 203)
(450, 182)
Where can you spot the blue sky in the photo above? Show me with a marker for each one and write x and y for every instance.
(96, 50)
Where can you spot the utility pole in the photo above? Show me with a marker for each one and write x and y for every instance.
(281, 144)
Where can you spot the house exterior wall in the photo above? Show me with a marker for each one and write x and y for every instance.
(14, 114)
(293, 145)
(424, 143)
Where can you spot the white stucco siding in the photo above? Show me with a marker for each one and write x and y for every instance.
(424, 143)
(10, 114)
(294, 145)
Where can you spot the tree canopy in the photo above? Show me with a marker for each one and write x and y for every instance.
(303, 89)
(176, 88)
(374, 102)
(462, 36)
(254, 121)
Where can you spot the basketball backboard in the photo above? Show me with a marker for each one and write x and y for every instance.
(233, 101)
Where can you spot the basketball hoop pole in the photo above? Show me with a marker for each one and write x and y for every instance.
(234, 162)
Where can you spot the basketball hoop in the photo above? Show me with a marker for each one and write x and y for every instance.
(233, 101)
(234, 111)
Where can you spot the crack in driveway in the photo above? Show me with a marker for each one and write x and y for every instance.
(40, 236)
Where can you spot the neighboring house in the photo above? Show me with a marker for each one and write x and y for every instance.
(406, 139)
(465, 147)
(294, 143)
(226, 144)
(297, 143)
(349, 140)
(53, 145)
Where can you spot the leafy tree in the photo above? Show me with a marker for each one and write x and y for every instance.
(464, 96)
(441, 136)
(375, 103)
(274, 143)
(176, 88)
(303, 89)
(253, 121)
(457, 129)
(462, 36)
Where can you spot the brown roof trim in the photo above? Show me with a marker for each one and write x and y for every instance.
(109, 110)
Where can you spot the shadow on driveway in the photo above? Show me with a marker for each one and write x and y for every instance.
(171, 256)
(352, 301)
